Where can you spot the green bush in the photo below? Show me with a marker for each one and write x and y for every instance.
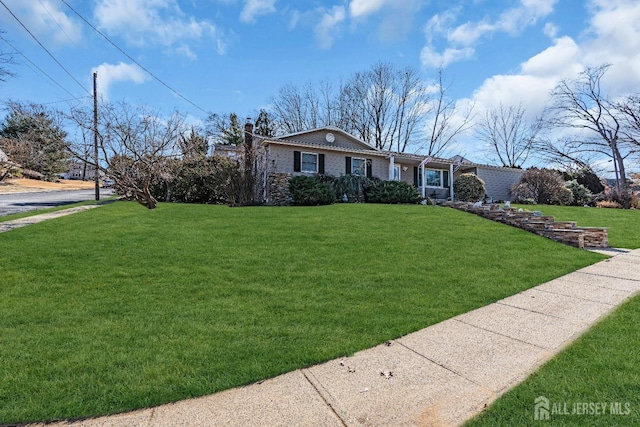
(355, 187)
(393, 192)
(581, 194)
(309, 191)
(586, 177)
(468, 188)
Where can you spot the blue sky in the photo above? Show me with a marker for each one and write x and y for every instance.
(234, 55)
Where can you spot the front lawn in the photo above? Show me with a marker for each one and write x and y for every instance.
(120, 307)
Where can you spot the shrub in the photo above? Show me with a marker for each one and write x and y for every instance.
(542, 186)
(354, 186)
(309, 191)
(586, 177)
(581, 194)
(468, 188)
(393, 192)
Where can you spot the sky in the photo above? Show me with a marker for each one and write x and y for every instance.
(226, 56)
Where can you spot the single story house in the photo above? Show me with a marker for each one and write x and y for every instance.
(332, 151)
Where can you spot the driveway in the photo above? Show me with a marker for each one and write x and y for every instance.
(31, 201)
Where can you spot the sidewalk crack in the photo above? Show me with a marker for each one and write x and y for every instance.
(326, 402)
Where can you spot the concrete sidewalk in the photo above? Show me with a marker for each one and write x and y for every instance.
(34, 219)
(439, 376)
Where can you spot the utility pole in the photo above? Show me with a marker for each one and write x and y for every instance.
(95, 135)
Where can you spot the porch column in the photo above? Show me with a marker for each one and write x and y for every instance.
(424, 189)
(391, 167)
(451, 181)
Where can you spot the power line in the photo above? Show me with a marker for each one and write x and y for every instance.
(44, 48)
(34, 65)
(133, 60)
(44, 6)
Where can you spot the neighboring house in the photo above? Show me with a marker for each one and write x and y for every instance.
(3, 157)
(332, 151)
(81, 171)
(234, 152)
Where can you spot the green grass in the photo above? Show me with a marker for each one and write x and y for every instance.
(601, 366)
(624, 224)
(121, 307)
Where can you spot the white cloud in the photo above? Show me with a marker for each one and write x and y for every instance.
(465, 36)
(613, 36)
(157, 22)
(254, 8)
(326, 29)
(359, 8)
(45, 18)
(430, 58)
(108, 74)
(395, 16)
(551, 30)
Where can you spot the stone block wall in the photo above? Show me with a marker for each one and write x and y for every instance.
(566, 232)
(278, 189)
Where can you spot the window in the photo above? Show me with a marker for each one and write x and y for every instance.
(437, 178)
(358, 166)
(309, 162)
(433, 178)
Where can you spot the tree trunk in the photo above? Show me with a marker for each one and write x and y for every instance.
(621, 178)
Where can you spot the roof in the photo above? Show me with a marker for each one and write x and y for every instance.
(296, 137)
(419, 157)
(297, 143)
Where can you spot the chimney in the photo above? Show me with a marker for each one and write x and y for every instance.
(248, 132)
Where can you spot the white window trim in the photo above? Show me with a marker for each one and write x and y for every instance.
(302, 170)
(353, 169)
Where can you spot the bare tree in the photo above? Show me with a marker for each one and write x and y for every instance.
(629, 108)
(296, 109)
(384, 106)
(6, 61)
(446, 120)
(580, 104)
(136, 146)
(565, 152)
(508, 134)
(389, 104)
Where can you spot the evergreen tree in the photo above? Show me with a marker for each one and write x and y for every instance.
(264, 125)
(30, 136)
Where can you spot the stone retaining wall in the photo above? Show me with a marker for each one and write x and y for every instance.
(561, 231)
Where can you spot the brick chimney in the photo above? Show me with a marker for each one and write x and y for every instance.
(248, 132)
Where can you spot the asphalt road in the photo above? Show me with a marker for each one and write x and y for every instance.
(24, 202)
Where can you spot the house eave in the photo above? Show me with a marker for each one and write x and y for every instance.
(301, 144)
